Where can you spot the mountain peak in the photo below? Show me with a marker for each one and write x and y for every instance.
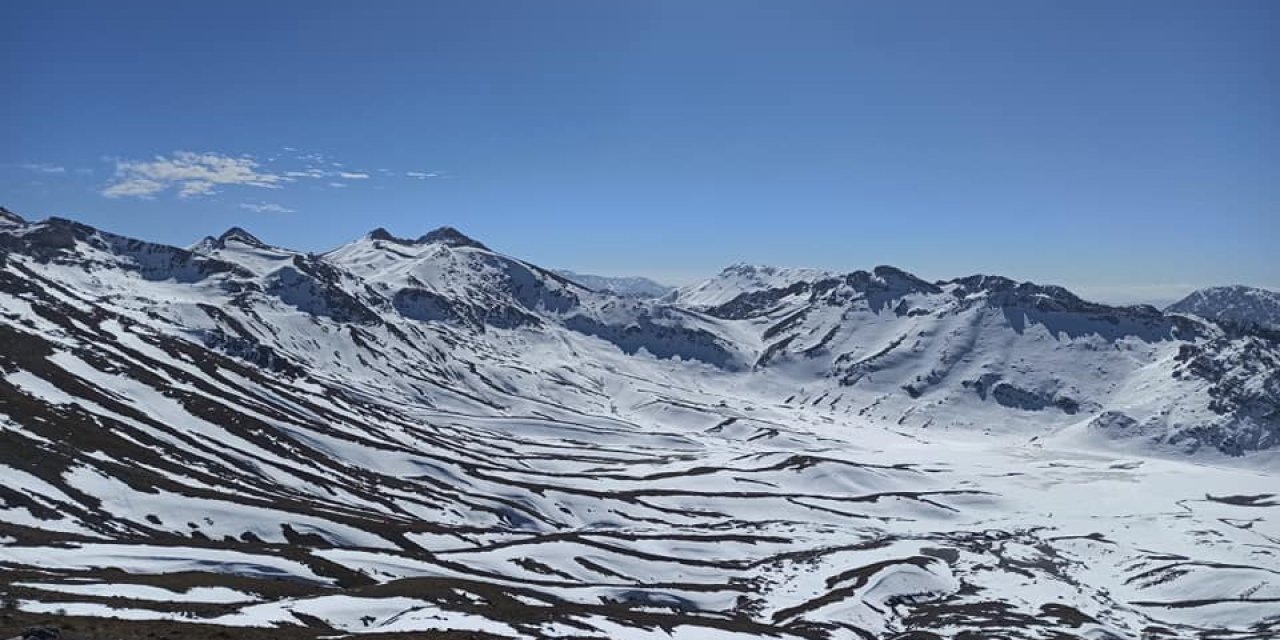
(745, 269)
(626, 286)
(382, 234)
(1235, 304)
(204, 245)
(451, 237)
(240, 235)
(8, 217)
(766, 273)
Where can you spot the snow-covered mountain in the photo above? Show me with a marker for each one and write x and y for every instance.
(625, 286)
(1235, 304)
(986, 350)
(743, 278)
(427, 434)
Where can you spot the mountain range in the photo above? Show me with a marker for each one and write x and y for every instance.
(1238, 304)
(626, 286)
(411, 434)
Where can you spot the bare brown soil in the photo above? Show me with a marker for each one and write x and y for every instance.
(14, 624)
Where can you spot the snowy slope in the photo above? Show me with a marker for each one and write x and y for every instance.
(1235, 304)
(738, 279)
(630, 287)
(989, 353)
(419, 434)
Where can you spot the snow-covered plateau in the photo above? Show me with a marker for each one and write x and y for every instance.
(416, 435)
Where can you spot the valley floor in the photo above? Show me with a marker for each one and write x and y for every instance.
(54, 627)
(738, 530)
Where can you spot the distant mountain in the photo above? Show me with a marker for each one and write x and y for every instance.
(426, 434)
(9, 218)
(1236, 304)
(741, 279)
(627, 287)
(881, 343)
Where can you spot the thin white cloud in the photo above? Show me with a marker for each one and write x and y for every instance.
(136, 188)
(265, 207)
(192, 174)
(42, 167)
(195, 188)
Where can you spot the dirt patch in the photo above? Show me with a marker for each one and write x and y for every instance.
(82, 628)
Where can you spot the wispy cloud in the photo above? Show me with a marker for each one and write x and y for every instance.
(42, 167)
(136, 188)
(192, 174)
(265, 207)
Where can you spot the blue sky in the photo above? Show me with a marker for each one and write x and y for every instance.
(1126, 149)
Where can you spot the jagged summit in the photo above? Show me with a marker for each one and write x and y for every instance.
(383, 235)
(447, 236)
(1002, 291)
(451, 237)
(1001, 285)
(770, 275)
(765, 271)
(895, 278)
(740, 278)
(1235, 304)
(237, 234)
(8, 217)
(204, 245)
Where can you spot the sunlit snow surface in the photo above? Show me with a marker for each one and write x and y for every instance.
(193, 443)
